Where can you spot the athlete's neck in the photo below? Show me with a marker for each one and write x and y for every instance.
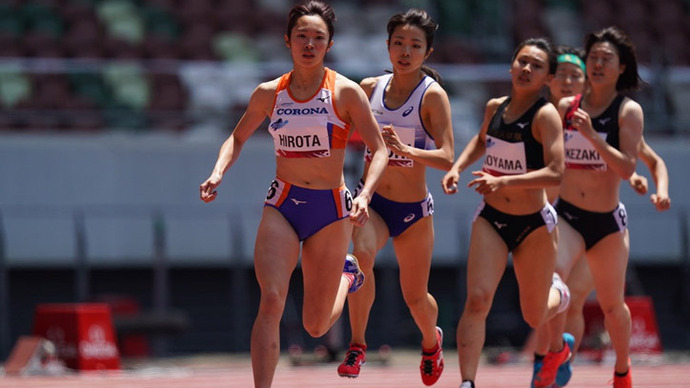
(597, 99)
(306, 81)
(519, 103)
(401, 85)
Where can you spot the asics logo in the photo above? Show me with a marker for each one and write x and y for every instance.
(522, 125)
(323, 99)
(604, 120)
(409, 218)
(280, 123)
(297, 201)
(407, 111)
(499, 225)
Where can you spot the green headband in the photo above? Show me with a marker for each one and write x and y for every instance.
(572, 58)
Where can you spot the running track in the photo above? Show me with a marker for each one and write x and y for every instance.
(401, 372)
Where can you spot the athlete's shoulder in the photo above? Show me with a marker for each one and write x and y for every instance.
(494, 103)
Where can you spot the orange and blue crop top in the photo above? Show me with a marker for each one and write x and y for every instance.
(310, 128)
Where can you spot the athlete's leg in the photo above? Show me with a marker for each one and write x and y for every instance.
(608, 260)
(414, 248)
(581, 284)
(571, 247)
(325, 287)
(534, 263)
(367, 240)
(486, 263)
(275, 256)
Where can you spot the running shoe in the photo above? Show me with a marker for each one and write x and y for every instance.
(431, 366)
(549, 368)
(352, 267)
(354, 359)
(623, 381)
(565, 371)
(535, 371)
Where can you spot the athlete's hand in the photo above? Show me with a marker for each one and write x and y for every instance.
(583, 123)
(638, 183)
(486, 183)
(660, 202)
(207, 190)
(449, 182)
(360, 211)
(393, 141)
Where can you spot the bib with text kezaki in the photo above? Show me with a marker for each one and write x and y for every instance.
(580, 152)
(310, 128)
(405, 119)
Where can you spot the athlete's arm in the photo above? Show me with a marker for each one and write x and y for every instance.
(548, 130)
(357, 109)
(657, 167)
(437, 121)
(474, 149)
(257, 110)
(631, 123)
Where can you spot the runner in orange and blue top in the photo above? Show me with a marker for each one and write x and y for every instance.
(413, 112)
(312, 112)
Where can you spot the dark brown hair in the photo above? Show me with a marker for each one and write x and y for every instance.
(312, 7)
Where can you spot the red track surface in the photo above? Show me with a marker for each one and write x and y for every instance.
(402, 371)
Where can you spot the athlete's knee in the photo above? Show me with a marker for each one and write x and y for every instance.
(478, 301)
(272, 303)
(616, 311)
(315, 326)
(534, 317)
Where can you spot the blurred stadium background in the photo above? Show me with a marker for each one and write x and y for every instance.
(112, 113)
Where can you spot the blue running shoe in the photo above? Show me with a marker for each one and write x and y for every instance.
(352, 266)
(565, 371)
(537, 368)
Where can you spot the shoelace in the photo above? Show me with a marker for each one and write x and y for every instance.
(352, 357)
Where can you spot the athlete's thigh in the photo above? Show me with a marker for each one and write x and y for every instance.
(413, 249)
(323, 258)
(276, 251)
(487, 258)
(571, 247)
(608, 261)
(534, 261)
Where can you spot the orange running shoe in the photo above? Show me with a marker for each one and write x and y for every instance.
(623, 381)
(549, 368)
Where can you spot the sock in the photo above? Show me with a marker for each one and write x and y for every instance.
(432, 350)
(622, 374)
(358, 346)
(470, 381)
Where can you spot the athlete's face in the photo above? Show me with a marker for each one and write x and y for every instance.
(309, 41)
(530, 69)
(603, 64)
(569, 80)
(407, 48)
